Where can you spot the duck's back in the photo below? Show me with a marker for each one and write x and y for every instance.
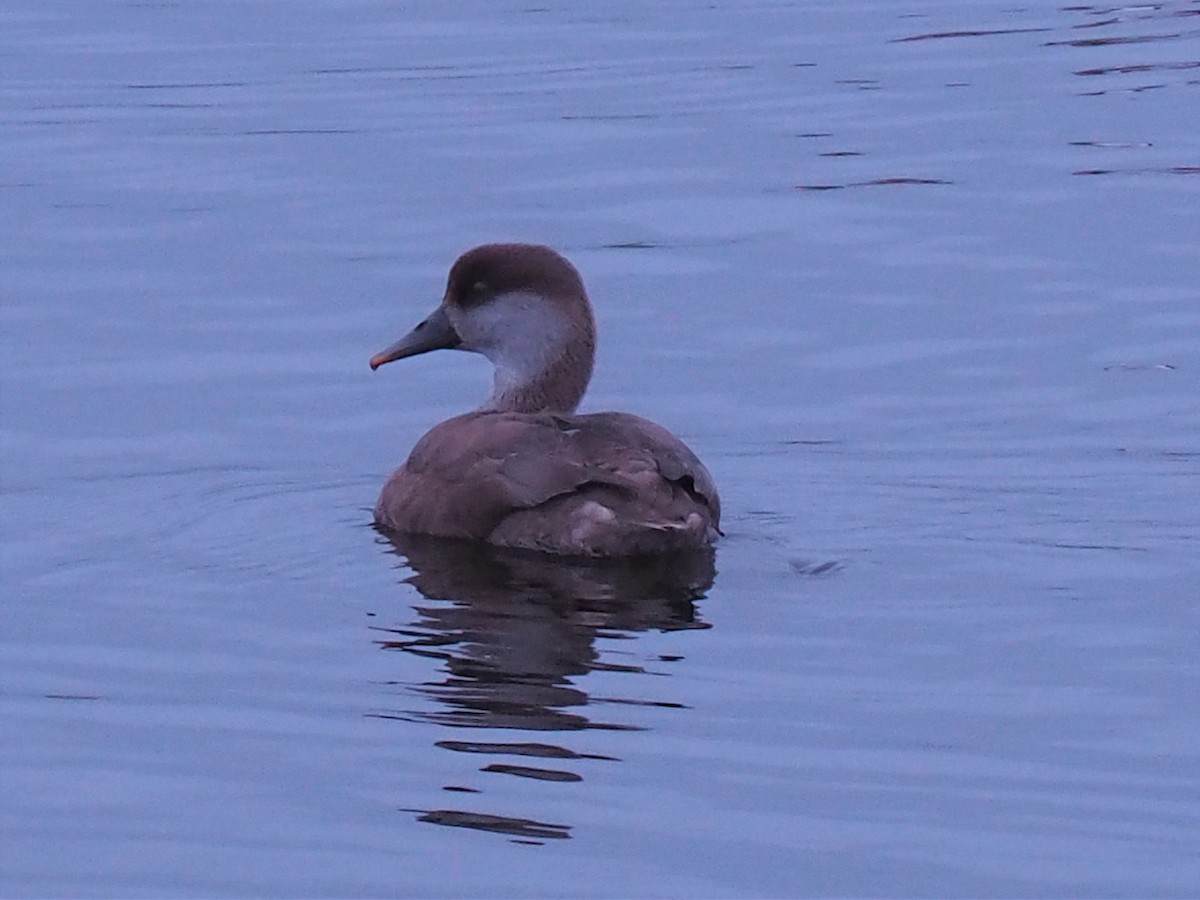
(605, 484)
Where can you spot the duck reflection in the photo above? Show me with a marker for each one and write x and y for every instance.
(514, 632)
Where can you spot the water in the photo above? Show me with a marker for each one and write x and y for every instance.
(919, 284)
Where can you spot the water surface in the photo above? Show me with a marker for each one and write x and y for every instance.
(918, 282)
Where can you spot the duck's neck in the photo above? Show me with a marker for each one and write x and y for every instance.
(556, 387)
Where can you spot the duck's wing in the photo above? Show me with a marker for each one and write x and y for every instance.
(537, 480)
(467, 473)
(632, 443)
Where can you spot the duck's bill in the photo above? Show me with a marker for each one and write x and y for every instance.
(435, 333)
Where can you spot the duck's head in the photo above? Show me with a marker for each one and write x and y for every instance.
(523, 306)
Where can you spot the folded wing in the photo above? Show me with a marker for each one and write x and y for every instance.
(597, 485)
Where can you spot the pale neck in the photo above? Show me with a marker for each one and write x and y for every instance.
(542, 349)
(558, 387)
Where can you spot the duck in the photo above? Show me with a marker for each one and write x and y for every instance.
(525, 470)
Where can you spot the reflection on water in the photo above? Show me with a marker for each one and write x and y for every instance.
(525, 829)
(514, 633)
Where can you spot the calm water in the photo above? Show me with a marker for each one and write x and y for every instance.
(920, 282)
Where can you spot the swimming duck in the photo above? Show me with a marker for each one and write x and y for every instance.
(525, 470)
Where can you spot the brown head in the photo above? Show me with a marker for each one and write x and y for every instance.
(523, 306)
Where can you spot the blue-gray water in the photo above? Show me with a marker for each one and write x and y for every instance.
(919, 282)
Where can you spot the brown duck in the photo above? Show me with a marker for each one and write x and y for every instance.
(524, 470)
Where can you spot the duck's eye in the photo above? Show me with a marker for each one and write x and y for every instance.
(479, 287)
